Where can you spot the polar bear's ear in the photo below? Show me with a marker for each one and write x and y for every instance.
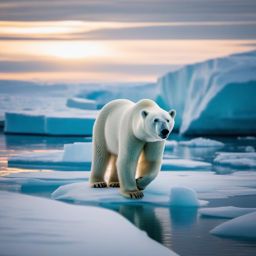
(144, 113)
(172, 113)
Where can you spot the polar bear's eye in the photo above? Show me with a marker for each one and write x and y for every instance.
(156, 120)
(167, 120)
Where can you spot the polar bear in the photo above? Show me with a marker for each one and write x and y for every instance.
(128, 140)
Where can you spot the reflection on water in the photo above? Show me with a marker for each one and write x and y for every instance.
(183, 230)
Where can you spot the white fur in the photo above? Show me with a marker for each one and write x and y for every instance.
(127, 139)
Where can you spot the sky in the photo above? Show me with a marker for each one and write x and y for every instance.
(118, 40)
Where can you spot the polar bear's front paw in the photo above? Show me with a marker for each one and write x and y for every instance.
(101, 184)
(114, 184)
(136, 194)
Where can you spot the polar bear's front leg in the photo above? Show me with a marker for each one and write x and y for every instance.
(127, 162)
(150, 163)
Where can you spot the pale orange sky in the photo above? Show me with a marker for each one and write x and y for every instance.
(100, 47)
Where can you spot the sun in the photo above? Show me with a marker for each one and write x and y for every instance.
(75, 50)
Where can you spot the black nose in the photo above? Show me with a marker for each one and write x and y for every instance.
(164, 132)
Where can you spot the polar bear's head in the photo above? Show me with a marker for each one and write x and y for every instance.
(157, 123)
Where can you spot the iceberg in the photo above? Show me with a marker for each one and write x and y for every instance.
(54, 228)
(225, 212)
(243, 227)
(238, 160)
(213, 97)
(184, 197)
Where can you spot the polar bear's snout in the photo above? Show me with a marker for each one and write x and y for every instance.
(164, 133)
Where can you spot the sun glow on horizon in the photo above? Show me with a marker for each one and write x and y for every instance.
(76, 50)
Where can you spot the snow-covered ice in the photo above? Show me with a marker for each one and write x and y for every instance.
(81, 103)
(37, 226)
(201, 142)
(207, 185)
(243, 227)
(236, 160)
(215, 96)
(225, 211)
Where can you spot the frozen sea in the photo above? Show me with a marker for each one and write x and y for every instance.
(181, 229)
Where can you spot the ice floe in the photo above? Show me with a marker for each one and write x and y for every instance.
(36, 226)
(236, 160)
(82, 193)
(201, 142)
(225, 211)
(207, 185)
(243, 227)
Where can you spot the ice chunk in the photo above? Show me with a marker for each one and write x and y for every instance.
(237, 160)
(77, 152)
(201, 142)
(184, 197)
(53, 228)
(24, 123)
(171, 144)
(225, 211)
(215, 96)
(81, 103)
(243, 227)
(184, 164)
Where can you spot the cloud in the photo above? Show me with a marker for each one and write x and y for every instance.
(129, 11)
(71, 30)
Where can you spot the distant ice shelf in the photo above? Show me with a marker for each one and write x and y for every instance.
(213, 97)
(50, 123)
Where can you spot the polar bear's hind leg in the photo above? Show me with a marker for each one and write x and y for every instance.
(113, 177)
